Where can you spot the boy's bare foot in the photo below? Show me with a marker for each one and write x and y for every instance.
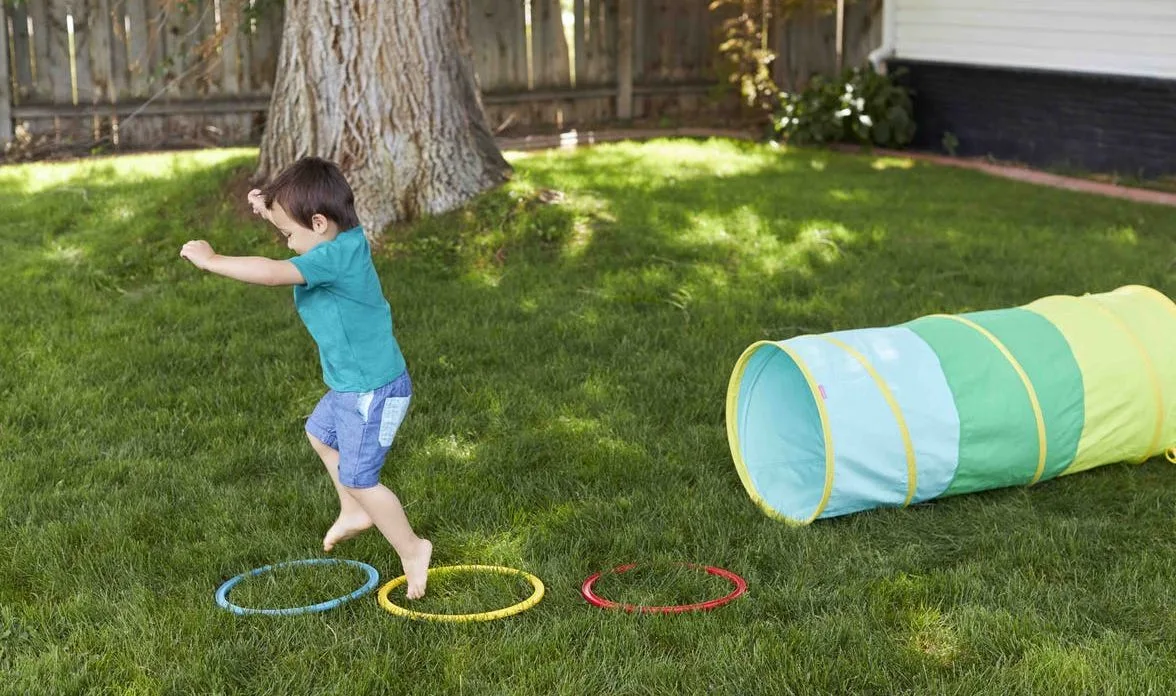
(416, 567)
(346, 527)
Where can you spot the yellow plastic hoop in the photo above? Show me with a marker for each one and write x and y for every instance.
(1171, 454)
(522, 606)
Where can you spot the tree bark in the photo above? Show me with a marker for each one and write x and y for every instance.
(385, 88)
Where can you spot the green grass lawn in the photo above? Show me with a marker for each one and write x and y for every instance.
(570, 364)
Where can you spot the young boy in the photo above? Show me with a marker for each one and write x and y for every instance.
(338, 296)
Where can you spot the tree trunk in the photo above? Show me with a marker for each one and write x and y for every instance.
(385, 88)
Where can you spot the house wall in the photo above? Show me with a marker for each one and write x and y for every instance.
(1116, 37)
(1070, 84)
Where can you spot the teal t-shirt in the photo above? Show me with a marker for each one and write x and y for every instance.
(343, 307)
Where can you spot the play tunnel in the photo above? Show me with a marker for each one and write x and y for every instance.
(831, 424)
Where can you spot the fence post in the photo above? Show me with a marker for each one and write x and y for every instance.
(840, 35)
(5, 81)
(625, 60)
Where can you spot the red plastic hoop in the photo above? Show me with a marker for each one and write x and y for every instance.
(598, 601)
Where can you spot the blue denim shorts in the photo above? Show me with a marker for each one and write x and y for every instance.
(361, 425)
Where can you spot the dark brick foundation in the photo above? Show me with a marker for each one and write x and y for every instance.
(1047, 119)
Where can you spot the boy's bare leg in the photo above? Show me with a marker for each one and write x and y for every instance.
(352, 518)
(383, 507)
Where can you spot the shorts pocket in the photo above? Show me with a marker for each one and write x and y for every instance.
(395, 408)
(363, 404)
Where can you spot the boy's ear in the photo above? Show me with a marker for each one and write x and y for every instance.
(318, 222)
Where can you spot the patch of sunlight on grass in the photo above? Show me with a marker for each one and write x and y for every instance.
(884, 163)
(616, 446)
(820, 238)
(479, 546)
(719, 158)
(64, 253)
(742, 223)
(598, 389)
(933, 636)
(844, 196)
(713, 275)
(818, 165)
(1064, 666)
(1124, 235)
(570, 425)
(557, 515)
(124, 168)
(589, 317)
(591, 430)
(529, 305)
(818, 241)
(452, 448)
(579, 240)
(487, 278)
(595, 206)
(746, 233)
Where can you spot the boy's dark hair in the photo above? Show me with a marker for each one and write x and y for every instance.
(313, 185)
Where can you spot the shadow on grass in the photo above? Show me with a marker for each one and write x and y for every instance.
(570, 359)
(570, 362)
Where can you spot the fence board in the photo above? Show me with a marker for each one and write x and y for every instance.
(83, 13)
(549, 45)
(602, 42)
(100, 41)
(22, 69)
(5, 81)
(138, 68)
(660, 58)
(263, 49)
(863, 30)
(625, 60)
(38, 20)
(145, 19)
(119, 73)
(806, 41)
(499, 43)
(550, 59)
(176, 48)
(140, 57)
(236, 128)
(805, 46)
(579, 57)
(58, 76)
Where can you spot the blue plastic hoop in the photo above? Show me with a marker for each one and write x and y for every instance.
(222, 594)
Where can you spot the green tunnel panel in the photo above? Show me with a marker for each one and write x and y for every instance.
(998, 433)
(1043, 353)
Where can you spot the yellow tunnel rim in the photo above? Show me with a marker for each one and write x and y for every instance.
(733, 431)
(1042, 443)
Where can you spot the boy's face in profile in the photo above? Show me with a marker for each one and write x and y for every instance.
(300, 239)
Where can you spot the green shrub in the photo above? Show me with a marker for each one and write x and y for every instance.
(859, 106)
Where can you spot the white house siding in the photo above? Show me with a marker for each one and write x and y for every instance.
(1111, 37)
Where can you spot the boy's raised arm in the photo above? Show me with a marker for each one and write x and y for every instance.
(248, 269)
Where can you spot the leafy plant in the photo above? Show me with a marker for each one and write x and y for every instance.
(861, 106)
(745, 59)
(745, 56)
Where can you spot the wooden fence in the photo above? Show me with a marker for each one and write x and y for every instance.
(146, 73)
